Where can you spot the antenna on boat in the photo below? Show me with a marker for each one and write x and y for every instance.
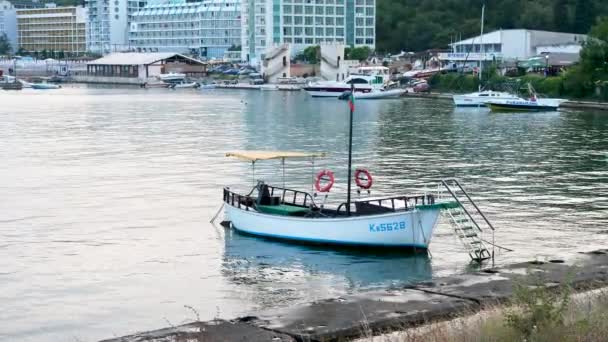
(351, 105)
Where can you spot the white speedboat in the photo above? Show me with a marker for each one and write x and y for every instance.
(172, 77)
(364, 79)
(180, 85)
(44, 86)
(525, 105)
(479, 99)
(375, 94)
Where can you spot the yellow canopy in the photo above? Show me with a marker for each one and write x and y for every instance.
(254, 156)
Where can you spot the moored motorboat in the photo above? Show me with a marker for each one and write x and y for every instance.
(364, 80)
(375, 94)
(45, 86)
(181, 85)
(523, 105)
(172, 77)
(479, 99)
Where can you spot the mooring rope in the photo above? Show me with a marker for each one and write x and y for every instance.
(217, 214)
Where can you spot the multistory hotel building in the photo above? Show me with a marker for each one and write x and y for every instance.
(207, 28)
(306, 22)
(8, 22)
(108, 24)
(54, 29)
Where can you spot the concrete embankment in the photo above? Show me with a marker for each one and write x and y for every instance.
(571, 104)
(349, 317)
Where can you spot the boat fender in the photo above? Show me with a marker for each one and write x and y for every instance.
(324, 175)
(363, 178)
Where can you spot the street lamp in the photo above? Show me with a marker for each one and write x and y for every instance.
(546, 65)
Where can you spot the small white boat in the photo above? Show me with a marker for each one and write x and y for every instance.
(25, 84)
(45, 86)
(207, 86)
(269, 87)
(181, 85)
(525, 105)
(172, 77)
(278, 212)
(376, 94)
(533, 104)
(479, 99)
(365, 80)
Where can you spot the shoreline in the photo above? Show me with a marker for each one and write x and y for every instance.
(394, 309)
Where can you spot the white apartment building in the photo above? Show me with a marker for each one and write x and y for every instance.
(8, 22)
(515, 44)
(303, 23)
(207, 28)
(108, 24)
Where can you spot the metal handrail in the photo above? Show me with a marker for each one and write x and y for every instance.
(461, 205)
(425, 199)
(470, 200)
(284, 191)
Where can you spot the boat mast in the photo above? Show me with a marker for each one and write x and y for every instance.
(350, 147)
(483, 9)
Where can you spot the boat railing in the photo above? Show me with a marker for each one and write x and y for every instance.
(237, 200)
(388, 204)
(292, 197)
(286, 196)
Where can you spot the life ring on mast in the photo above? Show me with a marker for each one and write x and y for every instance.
(364, 182)
(322, 176)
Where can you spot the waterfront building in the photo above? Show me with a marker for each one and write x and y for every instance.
(54, 29)
(516, 44)
(8, 22)
(303, 23)
(209, 28)
(108, 24)
(24, 4)
(138, 68)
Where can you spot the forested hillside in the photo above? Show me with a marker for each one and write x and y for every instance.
(414, 25)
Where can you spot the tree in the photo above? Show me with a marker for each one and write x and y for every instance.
(358, 53)
(561, 18)
(594, 55)
(584, 16)
(5, 45)
(311, 54)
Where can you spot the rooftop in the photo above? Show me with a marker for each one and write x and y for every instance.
(140, 58)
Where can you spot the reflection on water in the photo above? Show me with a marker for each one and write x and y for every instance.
(107, 195)
(274, 266)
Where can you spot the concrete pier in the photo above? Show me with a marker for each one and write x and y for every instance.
(348, 317)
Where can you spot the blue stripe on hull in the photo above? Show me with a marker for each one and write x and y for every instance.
(325, 242)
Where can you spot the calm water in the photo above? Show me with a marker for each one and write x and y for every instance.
(107, 196)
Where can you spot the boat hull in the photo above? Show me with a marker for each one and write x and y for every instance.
(396, 229)
(540, 105)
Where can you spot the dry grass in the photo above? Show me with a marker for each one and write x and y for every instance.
(584, 318)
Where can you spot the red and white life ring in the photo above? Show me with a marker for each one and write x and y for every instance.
(363, 178)
(321, 176)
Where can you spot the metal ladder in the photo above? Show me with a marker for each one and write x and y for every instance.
(464, 224)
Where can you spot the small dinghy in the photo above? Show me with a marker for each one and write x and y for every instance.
(400, 221)
(44, 86)
(183, 85)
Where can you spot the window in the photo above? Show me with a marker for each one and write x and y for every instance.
(307, 20)
(340, 32)
(287, 20)
(297, 20)
(319, 31)
(329, 11)
(369, 11)
(308, 40)
(308, 9)
(308, 31)
(369, 32)
(329, 32)
(329, 21)
(359, 21)
(319, 10)
(287, 9)
(297, 9)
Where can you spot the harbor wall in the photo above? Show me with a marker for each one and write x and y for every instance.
(397, 308)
